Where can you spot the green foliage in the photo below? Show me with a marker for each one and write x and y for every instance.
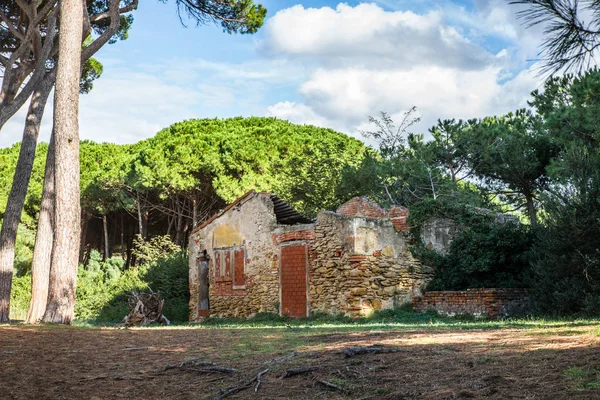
(566, 268)
(485, 256)
(510, 155)
(169, 276)
(24, 250)
(234, 16)
(152, 250)
(20, 297)
(463, 210)
(103, 287)
(206, 157)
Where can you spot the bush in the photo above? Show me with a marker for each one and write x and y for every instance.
(485, 256)
(103, 287)
(566, 265)
(20, 297)
(485, 253)
(102, 284)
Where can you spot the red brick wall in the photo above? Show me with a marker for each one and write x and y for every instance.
(293, 280)
(293, 236)
(362, 207)
(399, 217)
(365, 207)
(491, 303)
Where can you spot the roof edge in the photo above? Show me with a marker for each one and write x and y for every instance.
(237, 201)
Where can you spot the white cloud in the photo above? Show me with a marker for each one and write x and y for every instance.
(368, 35)
(297, 113)
(365, 60)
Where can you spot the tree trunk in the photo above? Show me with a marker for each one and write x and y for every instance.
(145, 225)
(44, 239)
(63, 270)
(106, 246)
(194, 213)
(531, 210)
(179, 228)
(122, 238)
(139, 212)
(85, 219)
(171, 221)
(18, 192)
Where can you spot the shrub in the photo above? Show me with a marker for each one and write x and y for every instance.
(20, 297)
(103, 287)
(485, 255)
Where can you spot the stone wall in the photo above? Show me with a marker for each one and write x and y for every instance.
(490, 303)
(350, 264)
(438, 233)
(359, 265)
(248, 226)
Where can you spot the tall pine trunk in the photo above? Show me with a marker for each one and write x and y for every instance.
(85, 219)
(106, 244)
(531, 209)
(44, 239)
(65, 252)
(18, 192)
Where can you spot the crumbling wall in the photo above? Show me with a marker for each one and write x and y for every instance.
(489, 303)
(363, 206)
(361, 264)
(438, 233)
(246, 226)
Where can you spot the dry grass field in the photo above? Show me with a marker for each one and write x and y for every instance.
(559, 360)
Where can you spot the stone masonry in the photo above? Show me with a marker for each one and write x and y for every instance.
(353, 261)
(361, 265)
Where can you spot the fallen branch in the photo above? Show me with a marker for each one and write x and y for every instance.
(243, 385)
(258, 381)
(200, 366)
(281, 359)
(117, 378)
(332, 386)
(136, 348)
(299, 371)
(215, 368)
(194, 362)
(354, 351)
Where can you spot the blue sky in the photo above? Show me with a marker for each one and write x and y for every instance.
(326, 63)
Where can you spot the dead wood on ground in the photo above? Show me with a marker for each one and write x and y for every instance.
(332, 386)
(196, 365)
(145, 309)
(243, 385)
(300, 370)
(354, 351)
(281, 359)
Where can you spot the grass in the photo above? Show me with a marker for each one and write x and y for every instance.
(397, 319)
(584, 378)
(401, 319)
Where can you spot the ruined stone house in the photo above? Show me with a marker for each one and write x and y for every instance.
(260, 255)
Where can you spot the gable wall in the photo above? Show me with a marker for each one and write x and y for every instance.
(247, 226)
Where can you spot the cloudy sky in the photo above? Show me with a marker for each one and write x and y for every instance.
(315, 62)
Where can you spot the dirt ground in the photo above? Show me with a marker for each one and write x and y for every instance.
(84, 363)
